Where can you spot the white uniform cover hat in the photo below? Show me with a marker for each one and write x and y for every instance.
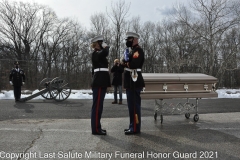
(97, 38)
(132, 34)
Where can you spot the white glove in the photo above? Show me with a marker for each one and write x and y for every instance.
(23, 83)
(130, 49)
(10, 82)
(104, 45)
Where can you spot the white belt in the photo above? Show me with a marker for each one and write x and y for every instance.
(100, 69)
(130, 70)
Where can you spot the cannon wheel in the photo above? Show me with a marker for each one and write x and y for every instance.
(59, 89)
(187, 115)
(41, 86)
(196, 117)
(161, 117)
(155, 116)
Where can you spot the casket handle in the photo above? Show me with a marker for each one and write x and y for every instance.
(205, 86)
(165, 87)
(185, 86)
(214, 87)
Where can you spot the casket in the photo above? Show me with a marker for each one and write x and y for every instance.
(178, 85)
(161, 86)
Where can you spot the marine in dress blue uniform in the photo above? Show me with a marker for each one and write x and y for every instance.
(100, 82)
(133, 81)
(17, 79)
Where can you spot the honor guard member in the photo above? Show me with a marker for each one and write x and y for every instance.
(133, 81)
(100, 82)
(17, 79)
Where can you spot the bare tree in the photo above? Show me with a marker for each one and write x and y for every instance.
(118, 15)
(230, 47)
(75, 57)
(99, 23)
(51, 44)
(214, 18)
(22, 25)
(135, 24)
(100, 26)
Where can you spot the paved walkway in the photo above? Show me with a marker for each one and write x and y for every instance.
(214, 136)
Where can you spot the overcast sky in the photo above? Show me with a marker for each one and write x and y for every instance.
(148, 10)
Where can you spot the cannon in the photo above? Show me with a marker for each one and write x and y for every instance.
(56, 88)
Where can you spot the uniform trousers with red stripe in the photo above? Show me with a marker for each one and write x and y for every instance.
(97, 108)
(134, 107)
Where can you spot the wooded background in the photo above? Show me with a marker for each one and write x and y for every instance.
(202, 38)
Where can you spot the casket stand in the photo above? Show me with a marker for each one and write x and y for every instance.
(161, 86)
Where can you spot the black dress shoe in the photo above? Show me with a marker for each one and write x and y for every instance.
(99, 133)
(129, 132)
(114, 102)
(104, 130)
(126, 130)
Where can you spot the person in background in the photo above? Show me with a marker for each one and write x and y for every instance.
(100, 82)
(117, 71)
(133, 81)
(17, 79)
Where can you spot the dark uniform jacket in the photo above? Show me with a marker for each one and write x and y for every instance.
(17, 76)
(99, 60)
(117, 75)
(136, 60)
